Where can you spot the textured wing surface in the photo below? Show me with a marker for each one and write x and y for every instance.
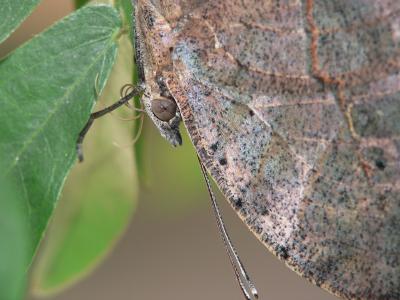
(294, 107)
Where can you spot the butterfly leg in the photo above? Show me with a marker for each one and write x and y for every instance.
(135, 91)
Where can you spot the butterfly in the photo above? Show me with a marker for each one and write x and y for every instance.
(294, 109)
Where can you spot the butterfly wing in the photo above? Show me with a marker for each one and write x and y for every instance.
(294, 107)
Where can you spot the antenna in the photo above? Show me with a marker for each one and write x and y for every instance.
(242, 277)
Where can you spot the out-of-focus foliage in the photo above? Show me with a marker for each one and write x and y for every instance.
(126, 7)
(173, 175)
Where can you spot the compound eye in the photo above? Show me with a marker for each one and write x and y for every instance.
(163, 108)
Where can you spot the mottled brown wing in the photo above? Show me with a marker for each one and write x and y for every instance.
(294, 107)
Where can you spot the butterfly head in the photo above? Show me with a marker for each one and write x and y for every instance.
(164, 113)
(153, 57)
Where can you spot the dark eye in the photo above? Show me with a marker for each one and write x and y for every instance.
(163, 108)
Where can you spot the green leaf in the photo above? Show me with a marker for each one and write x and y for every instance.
(80, 3)
(14, 244)
(12, 13)
(127, 9)
(46, 95)
(95, 207)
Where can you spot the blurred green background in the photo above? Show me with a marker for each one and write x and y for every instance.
(141, 230)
